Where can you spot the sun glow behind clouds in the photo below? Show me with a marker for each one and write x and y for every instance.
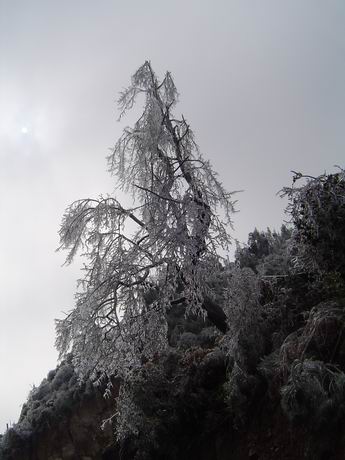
(30, 122)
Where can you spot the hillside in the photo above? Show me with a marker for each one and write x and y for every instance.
(272, 385)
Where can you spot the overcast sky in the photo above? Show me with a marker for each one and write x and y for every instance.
(261, 83)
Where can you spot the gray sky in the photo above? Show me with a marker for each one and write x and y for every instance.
(261, 83)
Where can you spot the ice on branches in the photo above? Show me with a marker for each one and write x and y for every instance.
(131, 278)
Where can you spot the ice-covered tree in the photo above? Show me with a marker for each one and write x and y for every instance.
(317, 209)
(266, 253)
(144, 260)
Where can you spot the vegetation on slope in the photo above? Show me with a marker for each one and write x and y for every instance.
(285, 341)
(195, 343)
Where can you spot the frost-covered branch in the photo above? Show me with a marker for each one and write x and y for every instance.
(172, 248)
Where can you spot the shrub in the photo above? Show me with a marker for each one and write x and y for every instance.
(315, 392)
(317, 210)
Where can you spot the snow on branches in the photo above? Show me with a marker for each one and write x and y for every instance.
(177, 234)
(317, 209)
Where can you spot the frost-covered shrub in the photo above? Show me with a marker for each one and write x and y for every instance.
(306, 372)
(209, 337)
(188, 340)
(240, 390)
(266, 253)
(40, 392)
(318, 338)
(55, 396)
(315, 391)
(63, 375)
(322, 333)
(317, 209)
(141, 408)
(243, 342)
(170, 400)
(184, 329)
(51, 375)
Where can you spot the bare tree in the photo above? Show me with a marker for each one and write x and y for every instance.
(135, 272)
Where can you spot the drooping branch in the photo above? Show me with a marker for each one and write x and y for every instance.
(172, 248)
